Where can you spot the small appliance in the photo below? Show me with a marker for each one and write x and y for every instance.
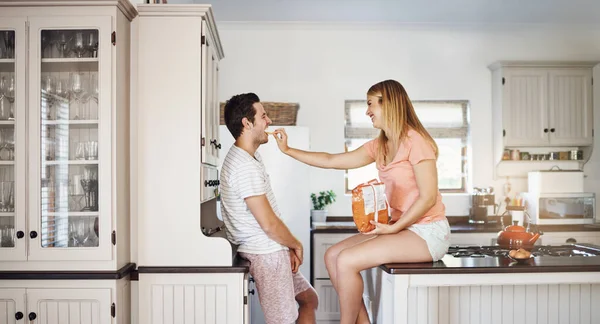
(483, 204)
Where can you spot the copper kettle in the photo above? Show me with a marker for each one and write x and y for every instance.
(514, 237)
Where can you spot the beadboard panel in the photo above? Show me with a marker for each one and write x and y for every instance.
(7, 311)
(329, 306)
(507, 304)
(198, 304)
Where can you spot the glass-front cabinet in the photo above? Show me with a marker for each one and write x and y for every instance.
(12, 139)
(68, 123)
(64, 134)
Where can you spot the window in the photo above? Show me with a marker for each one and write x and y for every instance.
(446, 121)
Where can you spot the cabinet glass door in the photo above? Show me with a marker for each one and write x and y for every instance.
(12, 152)
(70, 125)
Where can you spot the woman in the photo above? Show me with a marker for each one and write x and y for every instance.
(405, 156)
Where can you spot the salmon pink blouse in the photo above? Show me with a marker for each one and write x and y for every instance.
(399, 177)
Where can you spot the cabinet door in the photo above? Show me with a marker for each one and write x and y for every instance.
(329, 303)
(57, 306)
(570, 107)
(12, 306)
(207, 98)
(215, 107)
(70, 138)
(12, 139)
(321, 243)
(524, 107)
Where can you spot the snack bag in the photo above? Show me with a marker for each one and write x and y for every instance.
(369, 203)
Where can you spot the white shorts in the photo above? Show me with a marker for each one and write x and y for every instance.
(436, 235)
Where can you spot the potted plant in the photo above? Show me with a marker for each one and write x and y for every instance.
(319, 213)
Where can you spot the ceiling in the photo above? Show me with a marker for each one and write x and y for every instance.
(408, 11)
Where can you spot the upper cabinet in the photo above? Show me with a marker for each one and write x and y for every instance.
(542, 111)
(546, 106)
(64, 135)
(177, 142)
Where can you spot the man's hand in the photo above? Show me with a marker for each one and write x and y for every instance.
(294, 261)
(299, 252)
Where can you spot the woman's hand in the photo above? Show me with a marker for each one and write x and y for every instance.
(281, 137)
(381, 228)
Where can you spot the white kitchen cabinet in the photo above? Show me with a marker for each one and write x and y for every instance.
(544, 104)
(174, 79)
(60, 301)
(329, 309)
(64, 133)
(193, 298)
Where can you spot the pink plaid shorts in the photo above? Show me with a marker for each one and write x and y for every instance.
(277, 286)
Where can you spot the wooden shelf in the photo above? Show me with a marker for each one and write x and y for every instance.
(7, 122)
(7, 214)
(520, 168)
(7, 162)
(7, 61)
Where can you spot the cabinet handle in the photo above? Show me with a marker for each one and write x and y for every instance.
(552, 130)
(33, 234)
(545, 130)
(214, 142)
(19, 316)
(20, 234)
(571, 240)
(251, 292)
(32, 316)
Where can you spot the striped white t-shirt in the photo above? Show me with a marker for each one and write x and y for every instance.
(244, 176)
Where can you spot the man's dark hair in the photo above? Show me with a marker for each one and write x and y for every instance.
(238, 107)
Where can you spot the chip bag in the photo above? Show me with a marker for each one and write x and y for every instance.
(369, 203)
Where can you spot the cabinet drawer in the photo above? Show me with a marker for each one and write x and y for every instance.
(321, 243)
(570, 238)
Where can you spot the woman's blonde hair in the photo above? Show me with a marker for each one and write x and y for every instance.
(398, 114)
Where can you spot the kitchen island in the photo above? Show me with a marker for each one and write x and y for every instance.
(560, 284)
(473, 286)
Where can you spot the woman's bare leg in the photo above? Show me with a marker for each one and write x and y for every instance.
(331, 256)
(408, 247)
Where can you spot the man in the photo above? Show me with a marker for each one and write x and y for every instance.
(252, 218)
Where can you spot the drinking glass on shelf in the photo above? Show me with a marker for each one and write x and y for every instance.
(77, 89)
(92, 44)
(62, 40)
(5, 103)
(91, 150)
(9, 43)
(7, 236)
(80, 151)
(79, 44)
(6, 196)
(94, 86)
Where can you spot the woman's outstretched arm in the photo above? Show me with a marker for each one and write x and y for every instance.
(341, 161)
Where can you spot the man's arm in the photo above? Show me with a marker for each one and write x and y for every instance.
(270, 223)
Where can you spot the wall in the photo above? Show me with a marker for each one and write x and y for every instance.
(321, 65)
